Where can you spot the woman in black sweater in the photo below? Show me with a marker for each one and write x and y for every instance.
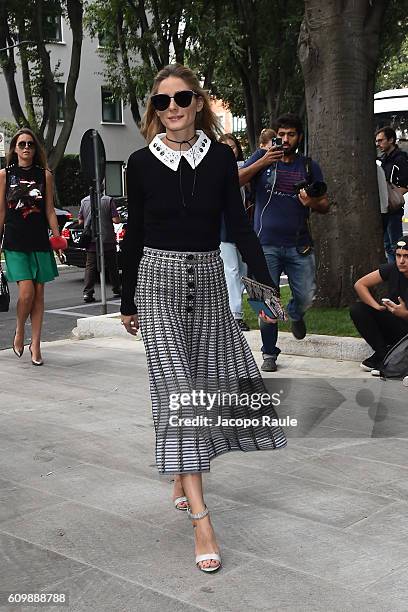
(178, 189)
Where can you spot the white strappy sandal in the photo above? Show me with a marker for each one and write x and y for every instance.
(214, 556)
(181, 500)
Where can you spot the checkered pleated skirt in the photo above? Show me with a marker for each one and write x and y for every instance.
(192, 344)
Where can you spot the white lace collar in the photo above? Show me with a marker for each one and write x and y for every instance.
(171, 158)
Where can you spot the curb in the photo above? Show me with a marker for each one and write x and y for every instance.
(314, 345)
(101, 326)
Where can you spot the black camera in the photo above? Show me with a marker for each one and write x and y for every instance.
(317, 189)
(277, 143)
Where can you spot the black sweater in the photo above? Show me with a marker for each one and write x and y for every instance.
(160, 216)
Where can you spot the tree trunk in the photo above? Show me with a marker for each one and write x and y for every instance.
(75, 14)
(133, 101)
(338, 51)
(8, 66)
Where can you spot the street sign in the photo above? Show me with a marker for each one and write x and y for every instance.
(2, 150)
(93, 162)
(87, 157)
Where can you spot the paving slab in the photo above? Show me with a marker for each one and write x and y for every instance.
(322, 551)
(273, 589)
(97, 591)
(354, 473)
(391, 523)
(393, 587)
(129, 548)
(319, 525)
(29, 568)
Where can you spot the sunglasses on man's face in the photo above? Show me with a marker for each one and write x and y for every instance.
(181, 98)
(26, 143)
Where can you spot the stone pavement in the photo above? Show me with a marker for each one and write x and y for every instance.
(321, 525)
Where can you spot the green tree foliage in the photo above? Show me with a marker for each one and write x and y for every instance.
(140, 37)
(36, 106)
(69, 182)
(244, 50)
(392, 71)
(257, 71)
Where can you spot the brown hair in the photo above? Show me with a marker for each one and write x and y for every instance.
(389, 133)
(40, 158)
(266, 135)
(206, 120)
(225, 137)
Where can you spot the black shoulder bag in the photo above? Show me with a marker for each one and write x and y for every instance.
(4, 292)
(85, 238)
(307, 249)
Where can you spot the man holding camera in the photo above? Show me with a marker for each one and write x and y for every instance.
(287, 187)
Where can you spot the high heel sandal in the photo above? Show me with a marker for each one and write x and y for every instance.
(33, 361)
(18, 354)
(181, 500)
(214, 556)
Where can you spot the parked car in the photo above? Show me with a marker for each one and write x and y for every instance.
(75, 256)
(63, 216)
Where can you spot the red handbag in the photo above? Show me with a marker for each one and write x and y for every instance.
(58, 243)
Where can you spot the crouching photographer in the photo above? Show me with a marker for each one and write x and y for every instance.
(383, 325)
(287, 187)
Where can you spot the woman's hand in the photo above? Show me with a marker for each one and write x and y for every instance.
(130, 323)
(265, 317)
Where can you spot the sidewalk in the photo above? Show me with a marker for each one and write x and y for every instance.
(318, 526)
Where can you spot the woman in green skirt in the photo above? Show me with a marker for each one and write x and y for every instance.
(26, 212)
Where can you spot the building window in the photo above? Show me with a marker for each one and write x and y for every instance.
(52, 28)
(221, 121)
(111, 107)
(114, 178)
(60, 101)
(238, 124)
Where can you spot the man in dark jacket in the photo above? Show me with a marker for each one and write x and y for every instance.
(395, 165)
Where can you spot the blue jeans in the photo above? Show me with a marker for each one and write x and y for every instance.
(234, 268)
(392, 223)
(300, 271)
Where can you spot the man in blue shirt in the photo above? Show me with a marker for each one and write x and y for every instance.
(281, 222)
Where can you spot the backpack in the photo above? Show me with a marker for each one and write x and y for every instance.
(395, 364)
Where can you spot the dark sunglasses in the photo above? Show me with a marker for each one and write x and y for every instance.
(26, 143)
(181, 98)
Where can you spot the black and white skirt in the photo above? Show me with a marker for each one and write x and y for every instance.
(201, 368)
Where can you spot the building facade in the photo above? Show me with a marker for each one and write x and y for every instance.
(96, 109)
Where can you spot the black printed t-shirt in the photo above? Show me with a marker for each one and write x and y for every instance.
(161, 217)
(397, 282)
(26, 226)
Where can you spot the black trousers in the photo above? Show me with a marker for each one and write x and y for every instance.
(91, 270)
(379, 328)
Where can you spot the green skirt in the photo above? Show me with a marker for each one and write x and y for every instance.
(38, 266)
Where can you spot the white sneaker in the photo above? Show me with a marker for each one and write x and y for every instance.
(375, 372)
(405, 381)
